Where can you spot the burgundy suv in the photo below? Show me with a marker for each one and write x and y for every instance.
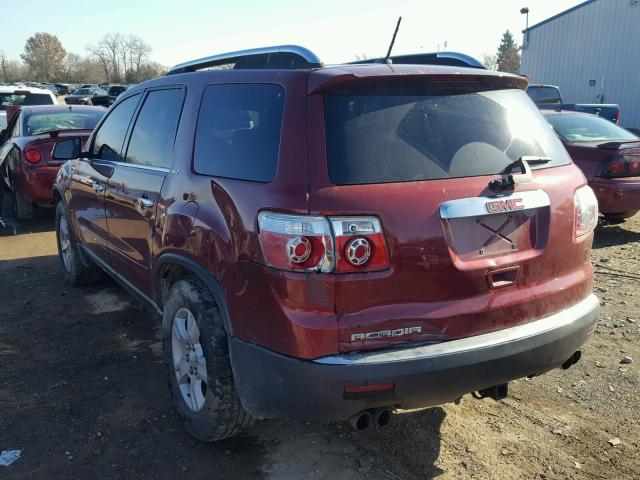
(331, 243)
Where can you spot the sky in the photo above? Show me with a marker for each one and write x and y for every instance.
(336, 30)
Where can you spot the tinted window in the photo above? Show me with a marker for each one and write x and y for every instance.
(544, 95)
(587, 128)
(110, 136)
(7, 99)
(154, 132)
(238, 132)
(401, 134)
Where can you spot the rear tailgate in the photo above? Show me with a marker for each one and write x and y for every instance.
(464, 260)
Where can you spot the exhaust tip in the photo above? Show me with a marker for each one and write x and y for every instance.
(362, 420)
(573, 359)
(382, 417)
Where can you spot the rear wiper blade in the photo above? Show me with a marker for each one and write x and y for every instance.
(525, 176)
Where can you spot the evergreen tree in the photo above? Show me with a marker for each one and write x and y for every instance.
(508, 57)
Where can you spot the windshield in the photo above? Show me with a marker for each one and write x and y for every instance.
(84, 91)
(400, 134)
(8, 99)
(587, 128)
(46, 122)
(546, 95)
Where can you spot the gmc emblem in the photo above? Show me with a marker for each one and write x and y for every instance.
(501, 206)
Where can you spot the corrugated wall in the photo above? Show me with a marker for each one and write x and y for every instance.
(601, 42)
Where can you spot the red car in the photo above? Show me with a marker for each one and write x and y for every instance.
(608, 155)
(331, 243)
(37, 140)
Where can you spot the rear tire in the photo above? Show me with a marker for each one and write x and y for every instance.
(23, 208)
(196, 355)
(77, 269)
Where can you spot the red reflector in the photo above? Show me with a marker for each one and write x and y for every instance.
(32, 156)
(375, 387)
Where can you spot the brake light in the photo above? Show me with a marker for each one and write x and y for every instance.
(620, 166)
(586, 211)
(32, 155)
(312, 243)
(360, 244)
(296, 242)
(618, 116)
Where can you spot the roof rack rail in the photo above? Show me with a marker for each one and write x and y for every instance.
(281, 56)
(454, 59)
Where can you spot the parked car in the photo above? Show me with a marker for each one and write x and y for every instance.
(37, 141)
(324, 243)
(84, 96)
(113, 92)
(63, 88)
(608, 155)
(548, 97)
(10, 96)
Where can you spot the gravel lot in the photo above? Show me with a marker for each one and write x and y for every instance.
(83, 395)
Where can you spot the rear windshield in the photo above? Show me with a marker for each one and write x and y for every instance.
(546, 95)
(401, 134)
(587, 128)
(47, 122)
(8, 99)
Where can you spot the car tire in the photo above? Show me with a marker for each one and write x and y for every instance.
(196, 355)
(619, 216)
(23, 208)
(77, 269)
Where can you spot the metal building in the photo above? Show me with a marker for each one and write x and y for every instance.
(592, 52)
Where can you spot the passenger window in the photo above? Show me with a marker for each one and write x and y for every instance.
(110, 136)
(238, 131)
(154, 132)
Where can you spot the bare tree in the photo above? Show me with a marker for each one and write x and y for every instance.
(490, 61)
(102, 57)
(44, 55)
(3, 64)
(139, 52)
(110, 44)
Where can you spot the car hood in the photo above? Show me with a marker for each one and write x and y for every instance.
(79, 96)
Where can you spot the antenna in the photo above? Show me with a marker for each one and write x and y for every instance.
(393, 40)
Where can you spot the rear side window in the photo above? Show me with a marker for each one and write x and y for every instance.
(110, 136)
(238, 132)
(154, 132)
(398, 134)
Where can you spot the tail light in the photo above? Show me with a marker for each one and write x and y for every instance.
(32, 155)
(334, 244)
(360, 244)
(620, 166)
(585, 206)
(618, 116)
(296, 242)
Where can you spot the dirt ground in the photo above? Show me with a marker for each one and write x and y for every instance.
(83, 395)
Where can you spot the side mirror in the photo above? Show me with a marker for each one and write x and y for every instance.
(67, 149)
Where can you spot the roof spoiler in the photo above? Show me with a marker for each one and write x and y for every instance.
(281, 56)
(616, 145)
(453, 59)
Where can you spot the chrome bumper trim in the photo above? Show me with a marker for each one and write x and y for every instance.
(487, 340)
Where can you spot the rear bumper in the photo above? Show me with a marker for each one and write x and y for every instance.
(617, 195)
(36, 183)
(276, 386)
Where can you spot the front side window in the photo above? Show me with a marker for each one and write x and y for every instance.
(110, 136)
(154, 132)
(422, 132)
(238, 131)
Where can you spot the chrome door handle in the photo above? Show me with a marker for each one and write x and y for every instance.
(98, 187)
(144, 202)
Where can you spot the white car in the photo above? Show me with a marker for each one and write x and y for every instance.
(12, 95)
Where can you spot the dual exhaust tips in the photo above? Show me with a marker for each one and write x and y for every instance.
(376, 417)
